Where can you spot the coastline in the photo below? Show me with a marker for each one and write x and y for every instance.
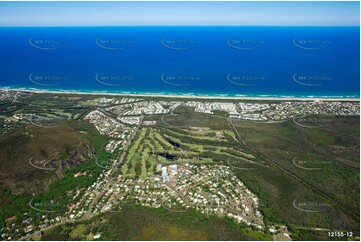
(185, 96)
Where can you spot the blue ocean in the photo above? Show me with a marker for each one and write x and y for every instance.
(211, 61)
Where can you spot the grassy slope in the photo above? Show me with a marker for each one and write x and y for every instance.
(19, 146)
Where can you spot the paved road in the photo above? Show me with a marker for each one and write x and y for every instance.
(112, 170)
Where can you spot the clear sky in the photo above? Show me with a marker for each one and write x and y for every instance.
(179, 13)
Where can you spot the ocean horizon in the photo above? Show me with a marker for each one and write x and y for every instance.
(295, 62)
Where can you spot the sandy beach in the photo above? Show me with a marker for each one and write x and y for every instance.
(329, 99)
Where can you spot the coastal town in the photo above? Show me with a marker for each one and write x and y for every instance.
(130, 112)
(180, 120)
(276, 111)
(211, 189)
